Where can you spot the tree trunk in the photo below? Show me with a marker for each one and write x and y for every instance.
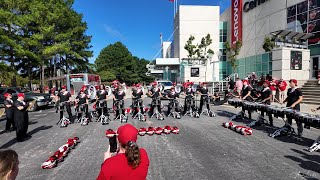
(29, 75)
(66, 61)
(54, 74)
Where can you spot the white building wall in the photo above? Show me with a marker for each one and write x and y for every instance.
(260, 22)
(197, 21)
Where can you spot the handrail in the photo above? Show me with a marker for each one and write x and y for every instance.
(225, 79)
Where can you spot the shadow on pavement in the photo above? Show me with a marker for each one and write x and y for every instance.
(314, 158)
(307, 165)
(32, 122)
(13, 141)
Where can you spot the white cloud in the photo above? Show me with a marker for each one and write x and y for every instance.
(114, 32)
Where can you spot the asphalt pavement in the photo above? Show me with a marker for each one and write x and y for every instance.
(203, 149)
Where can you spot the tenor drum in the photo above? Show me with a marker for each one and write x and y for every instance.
(246, 105)
(315, 122)
(271, 108)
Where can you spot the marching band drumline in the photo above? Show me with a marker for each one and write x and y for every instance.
(118, 92)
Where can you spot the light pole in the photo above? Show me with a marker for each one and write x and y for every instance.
(167, 71)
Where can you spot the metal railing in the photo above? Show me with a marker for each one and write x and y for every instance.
(222, 85)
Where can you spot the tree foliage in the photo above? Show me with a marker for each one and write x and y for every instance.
(268, 44)
(232, 53)
(200, 50)
(43, 35)
(116, 62)
(190, 47)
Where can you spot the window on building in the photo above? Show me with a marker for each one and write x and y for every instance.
(195, 72)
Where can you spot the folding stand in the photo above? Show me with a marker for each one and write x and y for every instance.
(121, 117)
(156, 113)
(207, 111)
(103, 119)
(260, 121)
(173, 111)
(286, 129)
(63, 121)
(315, 146)
(141, 117)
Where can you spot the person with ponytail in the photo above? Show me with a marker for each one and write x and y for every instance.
(130, 162)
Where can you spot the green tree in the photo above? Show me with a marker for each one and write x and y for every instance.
(202, 51)
(232, 53)
(117, 60)
(268, 44)
(190, 47)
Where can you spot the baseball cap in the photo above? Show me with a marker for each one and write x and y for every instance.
(127, 133)
(20, 95)
(294, 81)
(64, 87)
(6, 95)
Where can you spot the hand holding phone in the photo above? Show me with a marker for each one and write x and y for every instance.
(113, 144)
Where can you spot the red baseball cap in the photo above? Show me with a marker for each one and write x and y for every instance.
(294, 81)
(245, 81)
(64, 87)
(20, 95)
(127, 133)
(6, 95)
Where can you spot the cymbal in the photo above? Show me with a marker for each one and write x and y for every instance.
(31, 104)
(2, 111)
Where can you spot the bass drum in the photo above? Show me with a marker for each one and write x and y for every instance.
(177, 89)
(161, 87)
(109, 90)
(91, 92)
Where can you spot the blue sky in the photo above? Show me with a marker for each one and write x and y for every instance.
(136, 23)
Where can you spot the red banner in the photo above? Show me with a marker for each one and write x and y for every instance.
(236, 21)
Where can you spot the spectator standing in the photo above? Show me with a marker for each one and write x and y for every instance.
(231, 84)
(273, 89)
(282, 85)
(239, 86)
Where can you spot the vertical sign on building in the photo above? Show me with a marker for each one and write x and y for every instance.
(236, 21)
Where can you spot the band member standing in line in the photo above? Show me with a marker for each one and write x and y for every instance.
(204, 92)
(65, 97)
(294, 98)
(102, 95)
(21, 118)
(119, 98)
(155, 93)
(189, 94)
(265, 97)
(9, 112)
(137, 95)
(246, 95)
(82, 100)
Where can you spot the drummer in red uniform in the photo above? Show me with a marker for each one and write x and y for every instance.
(294, 98)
